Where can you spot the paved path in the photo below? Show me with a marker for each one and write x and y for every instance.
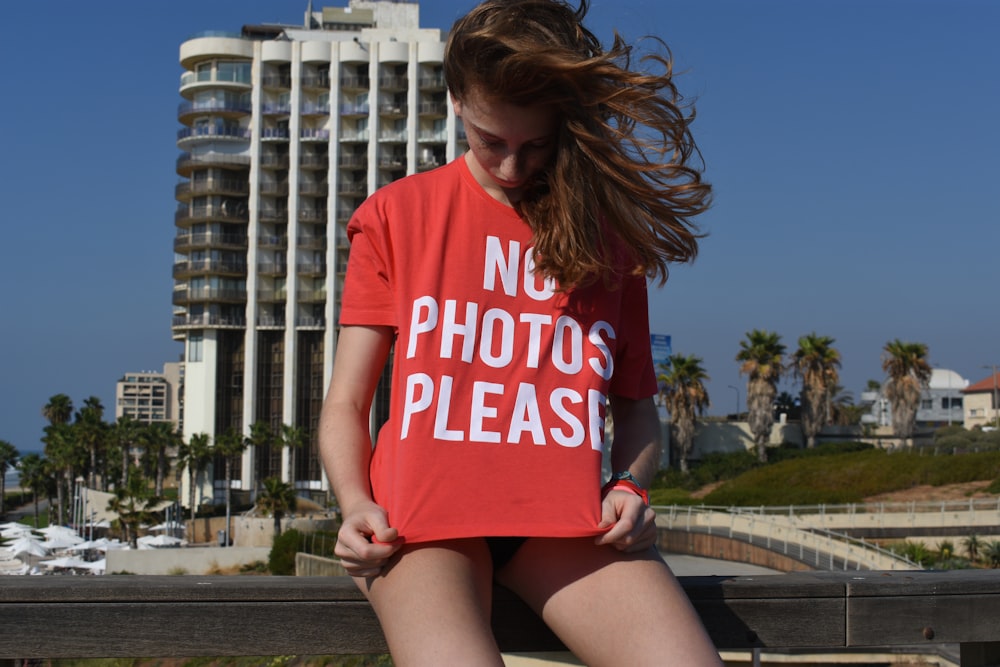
(684, 565)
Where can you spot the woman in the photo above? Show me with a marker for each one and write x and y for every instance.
(512, 283)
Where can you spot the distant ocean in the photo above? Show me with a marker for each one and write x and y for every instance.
(11, 479)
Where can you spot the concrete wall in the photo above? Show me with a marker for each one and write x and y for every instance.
(199, 560)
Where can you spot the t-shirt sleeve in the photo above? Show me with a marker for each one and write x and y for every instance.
(634, 375)
(367, 297)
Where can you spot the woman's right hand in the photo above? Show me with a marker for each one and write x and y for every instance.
(365, 541)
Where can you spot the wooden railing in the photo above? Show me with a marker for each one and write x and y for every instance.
(187, 616)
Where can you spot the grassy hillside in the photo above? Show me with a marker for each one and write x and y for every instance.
(832, 474)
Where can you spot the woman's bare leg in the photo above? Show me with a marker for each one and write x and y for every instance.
(433, 602)
(610, 608)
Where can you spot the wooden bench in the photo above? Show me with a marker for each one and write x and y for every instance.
(186, 616)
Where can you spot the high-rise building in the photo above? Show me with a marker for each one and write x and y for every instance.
(150, 396)
(286, 130)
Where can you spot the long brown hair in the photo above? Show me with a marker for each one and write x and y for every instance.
(622, 180)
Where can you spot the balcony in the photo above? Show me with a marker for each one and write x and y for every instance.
(186, 241)
(310, 322)
(188, 163)
(274, 188)
(392, 136)
(272, 295)
(393, 83)
(314, 134)
(276, 269)
(432, 83)
(274, 215)
(277, 81)
(226, 212)
(310, 109)
(187, 111)
(317, 295)
(314, 161)
(272, 241)
(310, 268)
(354, 136)
(184, 296)
(433, 109)
(352, 189)
(188, 135)
(354, 110)
(274, 161)
(392, 161)
(271, 321)
(392, 110)
(275, 134)
(352, 162)
(234, 79)
(205, 320)
(307, 242)
(354, 83)
(317, 215)
(314, 189)
(218, 267)
(432, 137)
(213, 186)
(270, 109)
(316, 81)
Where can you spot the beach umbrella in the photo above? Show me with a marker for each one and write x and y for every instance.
(159, 541)
(14, 530)
(12, 567)
(70, 562)
(27, 545)
(57, 541)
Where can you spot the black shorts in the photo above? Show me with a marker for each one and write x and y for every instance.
(502, 549)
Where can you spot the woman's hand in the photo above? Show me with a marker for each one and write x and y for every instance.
(632, 522)
(365, 541)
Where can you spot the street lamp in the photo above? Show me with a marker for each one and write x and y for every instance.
(736, 389)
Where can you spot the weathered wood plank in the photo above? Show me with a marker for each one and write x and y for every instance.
(229, 616)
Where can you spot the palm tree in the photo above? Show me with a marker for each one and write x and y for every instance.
(59, 409)
(134, 503)
(160, 438)
(125, 434)
(761, 358)
(91, 432)
(816, 362)
(906, 365)
(8, 457)
(972, 546)
(34, 477)
(194, 456)
(65, 457)
(229, 445)
(276, 498)
(261, 439)
(684, 396)
(294, 438)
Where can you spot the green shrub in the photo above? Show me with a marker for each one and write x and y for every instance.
(281, 560)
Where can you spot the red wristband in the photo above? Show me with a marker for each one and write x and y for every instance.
(629, 486)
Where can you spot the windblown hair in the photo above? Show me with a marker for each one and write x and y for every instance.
(621, 184)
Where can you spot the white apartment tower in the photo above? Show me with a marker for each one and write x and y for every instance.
(286, 130)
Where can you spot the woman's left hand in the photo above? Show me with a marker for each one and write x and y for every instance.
(632, 522)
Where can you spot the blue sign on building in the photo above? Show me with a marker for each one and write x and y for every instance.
(660, 343)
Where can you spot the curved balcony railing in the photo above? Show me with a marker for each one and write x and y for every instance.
(186, 241)
(187, 162)
(355, 189)
(273, 215)
(392, 110)
(272, 189)
(310, 268)
(352, 136)
(310, 322)
(271, 321)
(217, 186)
(315, 110)
(316, 81)
(314, 134)
(207, 320)
(190, 267)
(348, 161)
(392, 136)
(212, 132)
(274, 161)
(272, 241)
(276, 109)
(237, 77)
(235, 212)
(187, 295)
(218, 107)
(314, 189)
(433, 109)
(314, 161)
(393, 83)
(354, 109)
(277, 81)
(275, 134)
(435, 82)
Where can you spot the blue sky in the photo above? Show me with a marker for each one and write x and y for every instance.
(853, 147)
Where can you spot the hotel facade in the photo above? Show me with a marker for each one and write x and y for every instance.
(285, 130)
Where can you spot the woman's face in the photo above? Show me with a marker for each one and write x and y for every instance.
(508, 144)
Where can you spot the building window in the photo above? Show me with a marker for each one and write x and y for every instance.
(195, 342)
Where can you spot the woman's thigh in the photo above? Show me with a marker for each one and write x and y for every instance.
(433, 602)
(609, 607)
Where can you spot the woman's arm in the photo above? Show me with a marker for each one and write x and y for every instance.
(365, 539)
(636, 448)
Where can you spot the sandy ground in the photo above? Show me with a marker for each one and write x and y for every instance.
(925, 492)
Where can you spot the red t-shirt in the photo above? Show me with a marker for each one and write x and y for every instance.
(497, 414)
